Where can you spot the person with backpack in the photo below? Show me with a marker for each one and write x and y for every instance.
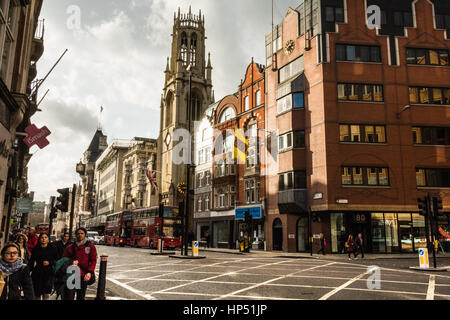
(84, 255)
(15, 280)
(350, 246)
(323, 244)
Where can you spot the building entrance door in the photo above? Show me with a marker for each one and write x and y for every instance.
(360, 223)
(302, 234)
(277, 234)
(405, 230)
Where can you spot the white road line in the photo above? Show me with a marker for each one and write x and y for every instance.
(223, 274)
(135, 291)
(336, 290)
(269, 281)
(431, 286)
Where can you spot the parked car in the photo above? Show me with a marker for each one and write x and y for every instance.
(99, 240)
(91, 236)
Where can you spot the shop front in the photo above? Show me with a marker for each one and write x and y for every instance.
(215, 229)
(382, 232)
(255, 228)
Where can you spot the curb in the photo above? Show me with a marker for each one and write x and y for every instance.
(438, 269)
(187, 257)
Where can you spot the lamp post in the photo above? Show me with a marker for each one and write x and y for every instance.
(188, 166)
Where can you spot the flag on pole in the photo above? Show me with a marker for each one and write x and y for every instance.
(152, 178)
(241, 146)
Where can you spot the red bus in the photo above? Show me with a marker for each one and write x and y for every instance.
(118, 228)
(42, 228)
(146, 229)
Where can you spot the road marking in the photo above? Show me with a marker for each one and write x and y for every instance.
(127, 287)
(269, 281)
(336, 290)
(431, 286)
(204, 280)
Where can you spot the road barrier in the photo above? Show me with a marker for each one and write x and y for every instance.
(101, 287)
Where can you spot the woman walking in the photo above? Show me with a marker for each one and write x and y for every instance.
(323, 243)
(21, 242)
(14, 275)
(350, 246)
(42, 266)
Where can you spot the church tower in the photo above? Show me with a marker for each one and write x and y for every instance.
(188, 48)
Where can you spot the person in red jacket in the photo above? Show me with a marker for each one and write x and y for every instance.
(84, 255)
(32, 240)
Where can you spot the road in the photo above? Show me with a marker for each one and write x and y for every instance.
(134, 273)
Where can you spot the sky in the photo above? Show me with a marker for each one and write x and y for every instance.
(117, 54)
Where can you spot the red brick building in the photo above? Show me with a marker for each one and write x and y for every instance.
(363, 123)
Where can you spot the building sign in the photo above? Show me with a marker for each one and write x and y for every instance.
(24, 205)
(360, 218)
(318, 195)
(255, 212)
(4, 149)
(37, 136)
(291, 236)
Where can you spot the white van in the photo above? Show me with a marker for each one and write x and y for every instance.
(91, 236)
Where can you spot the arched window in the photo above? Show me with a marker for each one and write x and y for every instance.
(169, 112)
(184, 48)
(227, 114)
(193, 49)
(195, 107)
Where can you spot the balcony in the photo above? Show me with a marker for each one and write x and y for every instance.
(37, 44)
(293, 201)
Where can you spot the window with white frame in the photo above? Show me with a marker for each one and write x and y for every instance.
(246, 103)
(207, 203)
(252, 136)
(207, 178)
(251, 191)
(199, 204)
(258, 97)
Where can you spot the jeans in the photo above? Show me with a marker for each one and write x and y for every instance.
(360, 249)
(69, 294)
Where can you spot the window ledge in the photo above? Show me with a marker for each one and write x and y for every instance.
(360, 62)
(431, 145)
(290, 110)
(361, 101)
(426, 65)
(429, 104)
(433, 188)
(366, 187)
(365, 143)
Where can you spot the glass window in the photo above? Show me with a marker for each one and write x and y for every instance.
(424, 95)
(357, 176)
(246, 103)
(299, 100)
(383, 177)
(338, 232)
(411, 56)
(370, 135)
(344, 133)
(341, 92)
(375, 54)
(381, 133)
(418, 227)
(300, 180)
(227, 115)
(378, 93)
(434, 57)
(440, 22)
(417, 137)
(364, 53)
(367, 94)
(446, 96)
(340, 52)
(339, 14)
(355, 132)
(437, 96)
(391, 229)
(413, 95)
(329, 17)
(372, 176)
(443, 57)
(421, 56)
(346, 176)
(299, 139)
(420, 177)
(258, 97)
(351, 53)
(353, 92)
(378, 233)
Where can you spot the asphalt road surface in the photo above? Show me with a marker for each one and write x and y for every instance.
(135, 274)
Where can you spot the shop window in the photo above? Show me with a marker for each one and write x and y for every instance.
(378, 233)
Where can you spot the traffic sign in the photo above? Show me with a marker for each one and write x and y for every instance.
(195, 248)
(24, 205)
(423, 258)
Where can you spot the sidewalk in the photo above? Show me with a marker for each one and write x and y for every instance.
(304, 255)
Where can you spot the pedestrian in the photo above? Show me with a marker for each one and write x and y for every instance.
(323, 243)
(84, 255)
(359, 246)
(32, 239)
(21, 242)
(62, 244)
(207, 239)
(42, 267)
(350, 246)
(15, 280)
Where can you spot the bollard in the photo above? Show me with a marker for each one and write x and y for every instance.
(101, 286)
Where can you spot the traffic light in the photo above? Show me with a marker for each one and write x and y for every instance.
(161, 210)
(437, 206)
(423, 205)
(53, 213)
(62, 202)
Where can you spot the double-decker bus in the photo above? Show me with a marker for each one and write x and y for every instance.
(146, 229)
(118, 228)
(42, 228)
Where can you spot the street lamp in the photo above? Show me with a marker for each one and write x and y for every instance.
(188, 165)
